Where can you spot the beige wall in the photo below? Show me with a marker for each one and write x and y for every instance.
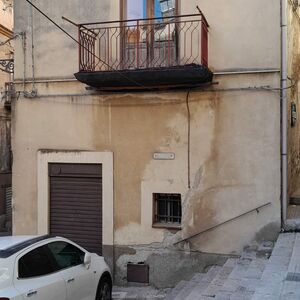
(56, 55)
(235, 164)
(243, 34)
(6, 13)
(230, 46)
(235, 134)
(293, 96)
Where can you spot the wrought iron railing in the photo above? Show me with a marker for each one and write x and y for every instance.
(143, 43)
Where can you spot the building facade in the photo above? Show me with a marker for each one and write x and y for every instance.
(148, 161)
(6, 71)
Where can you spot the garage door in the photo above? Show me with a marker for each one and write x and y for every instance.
(76, 203)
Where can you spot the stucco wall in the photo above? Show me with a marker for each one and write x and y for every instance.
(243, 34)
(6, 13)
(230, 46)
(235, 164)
(235, 131)
(56, 55)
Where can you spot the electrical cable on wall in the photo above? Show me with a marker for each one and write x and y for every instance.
(33, 91)
(86, 48)
(267, 88)
(189, 138)
(196, 89)
(10, 39)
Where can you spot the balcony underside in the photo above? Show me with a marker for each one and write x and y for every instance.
(191, 75)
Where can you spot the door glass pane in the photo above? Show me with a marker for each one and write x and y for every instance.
(136, 9)
(36, 263)
(66, 255)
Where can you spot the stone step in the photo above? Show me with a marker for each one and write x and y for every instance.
(240, 269)
(256, 268)
(198, 290)
(216, 284)
(238, 279)
(195, 281)
(177, 289)
(181, 291)
(272, 281)
(244, 278)
(291, 285)
(183, 294)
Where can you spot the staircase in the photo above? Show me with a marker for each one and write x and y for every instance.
(254, 276)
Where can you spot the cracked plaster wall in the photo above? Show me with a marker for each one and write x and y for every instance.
(235, 140)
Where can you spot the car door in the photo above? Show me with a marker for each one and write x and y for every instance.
(36, 276)
(80, 280)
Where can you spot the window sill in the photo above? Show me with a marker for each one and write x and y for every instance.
(166, 226)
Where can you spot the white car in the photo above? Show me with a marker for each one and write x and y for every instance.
(51, 268)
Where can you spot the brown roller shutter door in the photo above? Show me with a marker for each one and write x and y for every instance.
(76, 204)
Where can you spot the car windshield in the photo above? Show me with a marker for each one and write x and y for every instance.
(5, 273)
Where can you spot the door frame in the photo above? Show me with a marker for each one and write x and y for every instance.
(44, 157)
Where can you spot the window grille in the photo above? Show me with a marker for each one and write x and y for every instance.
(167, 208)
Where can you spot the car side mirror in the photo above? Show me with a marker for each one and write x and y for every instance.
(87, 260)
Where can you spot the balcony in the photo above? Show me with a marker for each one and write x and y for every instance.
(142, 54)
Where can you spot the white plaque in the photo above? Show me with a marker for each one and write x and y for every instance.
(164, 156)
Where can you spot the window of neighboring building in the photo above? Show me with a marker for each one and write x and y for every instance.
(167, 7)
(66, 255)
(167, 209)
(5, 210)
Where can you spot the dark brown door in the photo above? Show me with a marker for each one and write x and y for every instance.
(76, 204)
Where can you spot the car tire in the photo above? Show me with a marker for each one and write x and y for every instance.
(104, 291)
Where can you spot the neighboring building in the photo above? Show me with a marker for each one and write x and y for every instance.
(6, 69)
(155, 161)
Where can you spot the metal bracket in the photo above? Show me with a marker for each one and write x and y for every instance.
(7, 65)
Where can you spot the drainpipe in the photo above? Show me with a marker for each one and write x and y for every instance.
(283, 112)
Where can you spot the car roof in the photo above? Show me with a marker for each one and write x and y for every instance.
(10, 245)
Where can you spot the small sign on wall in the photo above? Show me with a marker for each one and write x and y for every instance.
(164, 156)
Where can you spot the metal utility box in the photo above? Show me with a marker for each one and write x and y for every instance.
(137, 272)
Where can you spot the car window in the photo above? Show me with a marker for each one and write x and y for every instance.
(66, 255)
(35, 263)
